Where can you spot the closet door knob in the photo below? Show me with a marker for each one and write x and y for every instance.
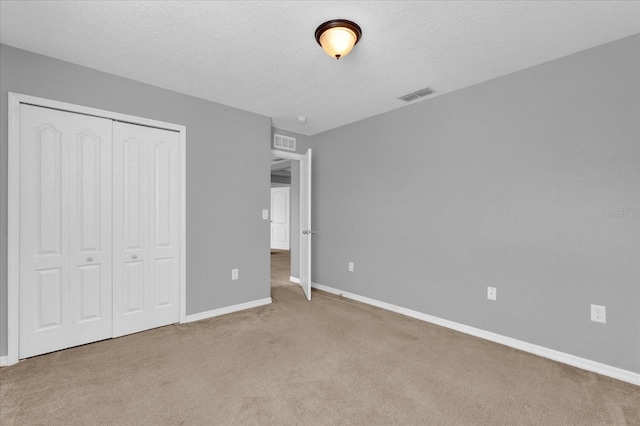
(89, 259)
(135, 256)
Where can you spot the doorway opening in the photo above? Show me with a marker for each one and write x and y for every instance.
(290, 231)
(284, 222)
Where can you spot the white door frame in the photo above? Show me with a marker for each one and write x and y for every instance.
(303, 191)
(13, 198)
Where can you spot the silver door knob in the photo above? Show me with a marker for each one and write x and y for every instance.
(89, 259)
(135, 256)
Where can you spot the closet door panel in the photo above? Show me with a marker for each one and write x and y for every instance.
(44, 255)
(65, 186)
(146, 209)
(164, 241)
(130, 213)
(90, 231)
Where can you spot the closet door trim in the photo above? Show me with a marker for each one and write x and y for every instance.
(13, 198)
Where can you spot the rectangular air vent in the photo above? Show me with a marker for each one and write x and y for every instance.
(416, 95)
(284, 142)
(410, 97)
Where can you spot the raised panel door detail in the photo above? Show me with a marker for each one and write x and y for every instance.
(133, 181)
(49, 140)
(162, 171)
(89, 189)
(133, 287)
(90, 298)
(163, 282)
(49, 299)
(278, 235)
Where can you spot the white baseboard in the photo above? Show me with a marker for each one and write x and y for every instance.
(575, 361)
(294, 280)
(227, 310)
(4, 361)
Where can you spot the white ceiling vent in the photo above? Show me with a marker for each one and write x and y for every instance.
(284, 142)
(417, 95)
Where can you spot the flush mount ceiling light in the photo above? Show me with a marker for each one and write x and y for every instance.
(338, 36)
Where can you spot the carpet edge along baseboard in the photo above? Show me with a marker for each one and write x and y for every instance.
(565, 358)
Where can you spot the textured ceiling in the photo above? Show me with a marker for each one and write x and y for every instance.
(262, 56)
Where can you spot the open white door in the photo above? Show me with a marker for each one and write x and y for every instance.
(305, 224)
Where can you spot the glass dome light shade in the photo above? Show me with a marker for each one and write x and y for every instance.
(338, 37)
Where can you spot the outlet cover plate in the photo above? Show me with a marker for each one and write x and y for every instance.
(492, 293)
(350, 266)
(234, 274)
(599, 314)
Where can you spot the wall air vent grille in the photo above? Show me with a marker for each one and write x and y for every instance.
(284, 142)
(410, 97)
(417, 95)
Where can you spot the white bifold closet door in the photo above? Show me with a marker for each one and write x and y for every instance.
(99, 229)
(146, 221)
(65, 230)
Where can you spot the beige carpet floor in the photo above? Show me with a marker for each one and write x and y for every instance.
(329, 361)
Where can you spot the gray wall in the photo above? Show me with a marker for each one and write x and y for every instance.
(227, 173)
(502, 184)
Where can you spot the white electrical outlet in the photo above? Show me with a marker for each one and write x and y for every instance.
(234, 274)
(265, 214)
(492, 293)
(599, 313)
(350, 266)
